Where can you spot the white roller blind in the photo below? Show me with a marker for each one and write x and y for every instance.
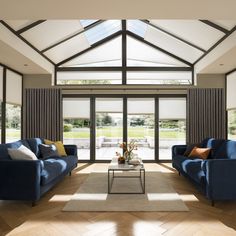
(231, 94)
(172, 108)
(111, 105)
(141, 106)
(76, 108)
(1, 82)
(13, 88)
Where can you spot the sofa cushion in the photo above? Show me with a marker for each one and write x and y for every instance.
(55, 167)
(226, 151)
(214, 144)
(193, 168)
(60, 147)
(178, 160)
(48, 150)
(201, 153)
(34, 145)
(17, 144)
(21, 153)
(189, 148)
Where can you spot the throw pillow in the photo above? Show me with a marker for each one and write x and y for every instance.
(59, 145)
(21, 153)
(189, 149)
(201, 153)
(48, 150)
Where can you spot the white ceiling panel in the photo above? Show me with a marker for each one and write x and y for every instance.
(139, 53)
(193, 31)
(101, 55)
(51, 31)
(19, 24)
(68, 48)
(227, 24)
(172, 45)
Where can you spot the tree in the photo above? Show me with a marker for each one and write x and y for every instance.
(107, 120)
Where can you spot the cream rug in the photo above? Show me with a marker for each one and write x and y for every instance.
(92, 195)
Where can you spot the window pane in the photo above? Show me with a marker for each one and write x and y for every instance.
(1, 97)
(13, 123)
(76, 125)
(232, 124)
(99, 56)
(138, 27)
(156, 77)
(86, 23)
(13, 88)
(141, 120)
(109, 127)
(102, 30)
(172, 125)
(89, 78)
(1, 83)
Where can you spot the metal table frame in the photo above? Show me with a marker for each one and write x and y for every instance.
(111, 176)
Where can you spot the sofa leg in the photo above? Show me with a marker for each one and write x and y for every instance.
(212, 203)
(70, 173)
(179, 173)
(33, 203)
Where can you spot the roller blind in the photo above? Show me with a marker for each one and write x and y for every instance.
(76, 108)
(172, 108)
(141, 106)
(109, 105)
(13, 88)
(231, 95)
(1, 83)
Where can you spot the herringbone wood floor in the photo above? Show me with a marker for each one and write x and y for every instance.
(19, 218)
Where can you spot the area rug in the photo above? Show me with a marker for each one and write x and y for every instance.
(92, 195)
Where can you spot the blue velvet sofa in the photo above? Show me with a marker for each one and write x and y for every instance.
(29, 180)
(215, 176)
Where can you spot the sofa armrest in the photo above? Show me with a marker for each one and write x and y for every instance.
(220, 179)
(178, 150)
(71, 149)
(20, 180)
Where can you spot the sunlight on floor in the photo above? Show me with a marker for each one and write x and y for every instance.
(188, 198)
(61, 198)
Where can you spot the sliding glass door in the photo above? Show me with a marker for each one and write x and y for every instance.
(141, 126)
(76, 125)
(109, 127)
(172, 125)
(98, 131)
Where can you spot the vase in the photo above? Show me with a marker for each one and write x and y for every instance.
(128, 156)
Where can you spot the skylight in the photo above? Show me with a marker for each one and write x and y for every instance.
(102, 30)
(86, 23)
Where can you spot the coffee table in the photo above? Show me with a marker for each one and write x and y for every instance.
(115, 168)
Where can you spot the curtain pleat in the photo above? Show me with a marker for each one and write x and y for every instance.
(206, 114)
(42, 114)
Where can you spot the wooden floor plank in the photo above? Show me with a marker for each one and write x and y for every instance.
(47, 218)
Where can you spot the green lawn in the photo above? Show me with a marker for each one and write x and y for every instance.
(133, 132)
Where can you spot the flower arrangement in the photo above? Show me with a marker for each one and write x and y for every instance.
(127, 150)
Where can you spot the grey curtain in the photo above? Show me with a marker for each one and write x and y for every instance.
(42, 114)
(206, 114)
